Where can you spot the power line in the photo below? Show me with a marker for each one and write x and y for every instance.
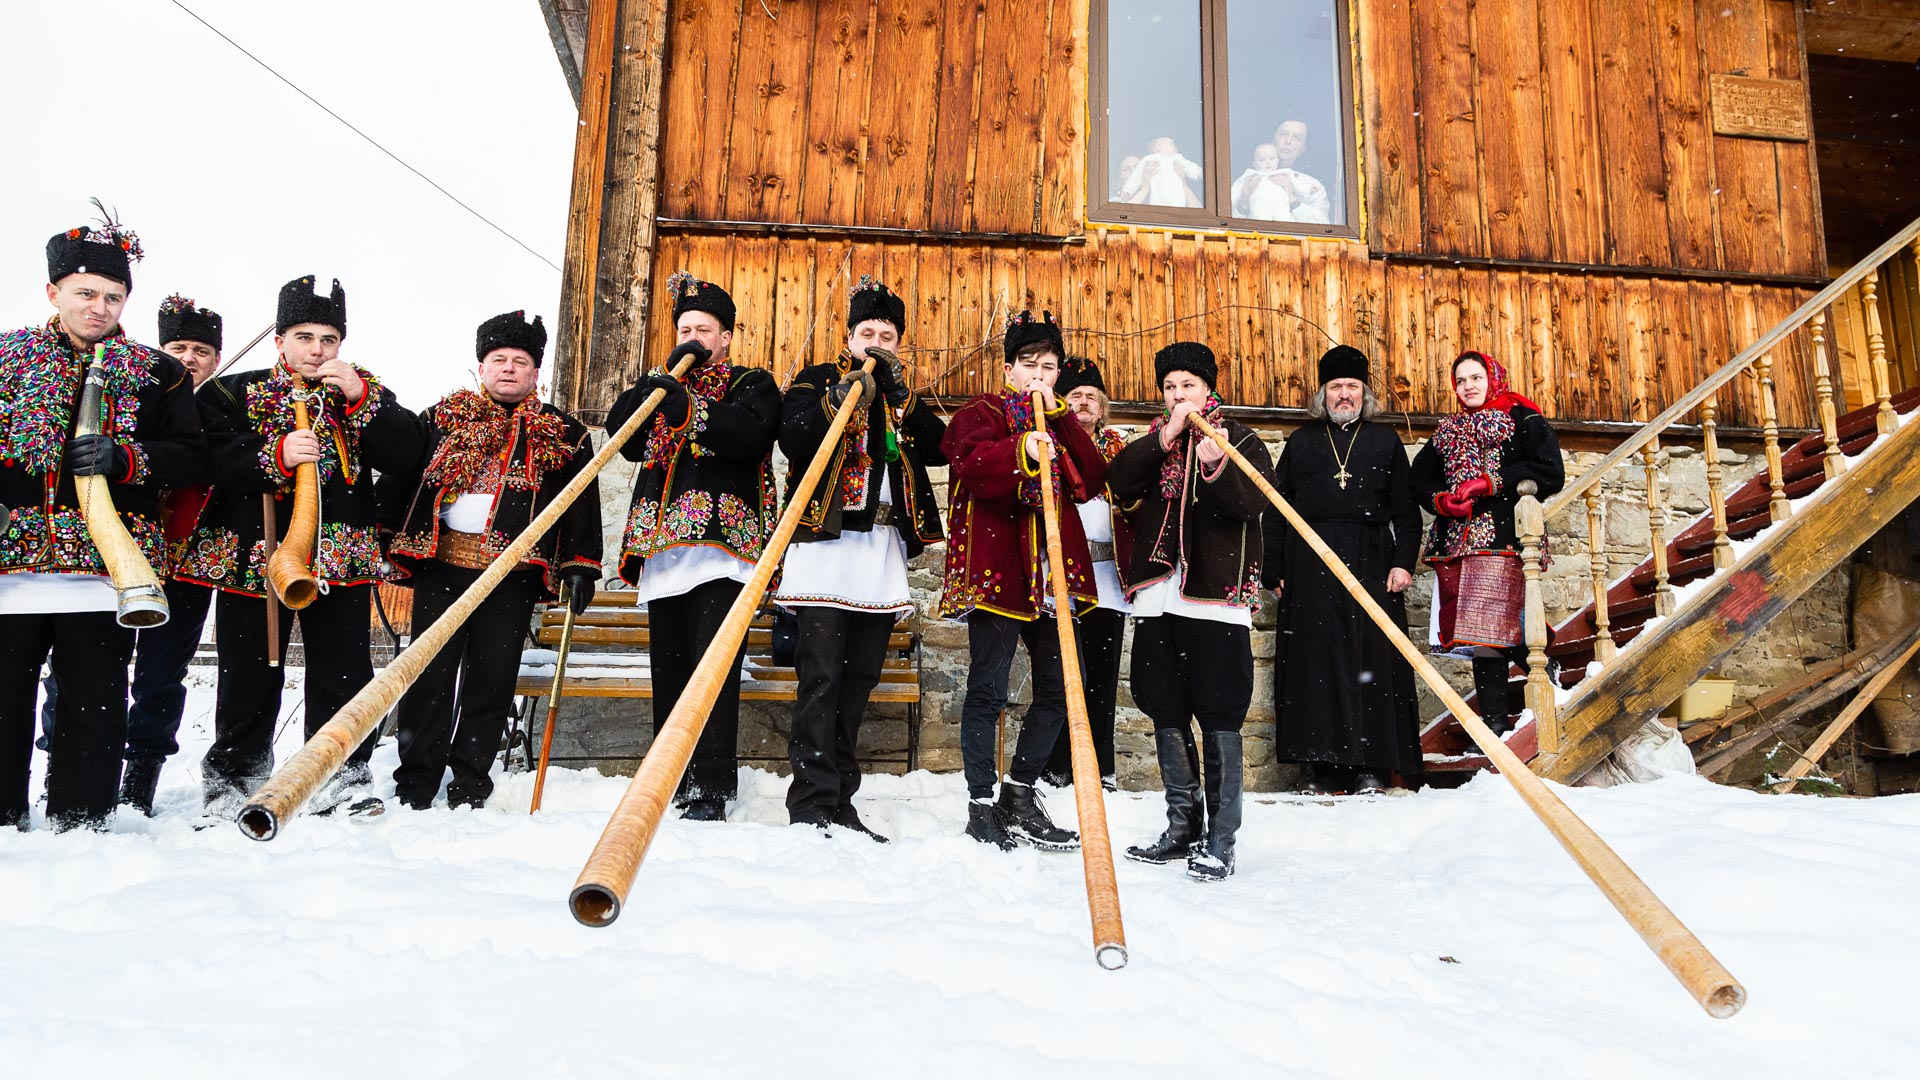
(375, 143)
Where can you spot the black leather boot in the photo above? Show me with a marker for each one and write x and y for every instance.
(1494, 702)
(983, 824)
(1025, 818)
(138, 782)
(1185, 816)
(1213, 860)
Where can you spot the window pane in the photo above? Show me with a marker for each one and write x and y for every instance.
(1283, 103)
(1155, 130)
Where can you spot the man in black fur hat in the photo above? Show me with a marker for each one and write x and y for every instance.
(355, 427)
(1343, 697)
(54, 592)
(491, 460)
(846, 574)
(703, 508)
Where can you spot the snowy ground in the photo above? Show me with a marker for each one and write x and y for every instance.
(1443, 935)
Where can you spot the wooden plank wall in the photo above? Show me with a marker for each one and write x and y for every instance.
(1583, 347)
(1580, 131)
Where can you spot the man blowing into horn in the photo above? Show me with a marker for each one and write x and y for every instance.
(55, 596)
(846, 573)
(704, 505)
(996, 574)
(354, 427)
(491, 461)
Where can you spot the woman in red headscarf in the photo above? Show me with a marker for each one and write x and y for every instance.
(1466, 477)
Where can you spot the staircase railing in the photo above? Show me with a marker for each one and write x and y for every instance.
(1531, 515)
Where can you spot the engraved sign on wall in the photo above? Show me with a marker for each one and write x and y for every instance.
(1759, 108)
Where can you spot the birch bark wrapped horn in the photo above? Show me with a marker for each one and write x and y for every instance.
(290, 572)
(141, 604)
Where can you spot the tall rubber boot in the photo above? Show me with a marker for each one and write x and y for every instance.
(1214, 860)
(1185, 816)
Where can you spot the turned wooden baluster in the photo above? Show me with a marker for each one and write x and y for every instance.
(1716, 476)
(1603, 647)
(1877, 352)
(1530, 518)
(1823, 390)
(1770, 428)
(1657, 529)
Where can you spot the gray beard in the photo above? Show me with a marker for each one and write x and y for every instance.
(1344, 417)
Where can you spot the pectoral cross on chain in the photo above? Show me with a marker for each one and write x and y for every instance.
(1343, 476)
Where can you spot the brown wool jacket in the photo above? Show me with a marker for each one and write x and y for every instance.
(1210, 533)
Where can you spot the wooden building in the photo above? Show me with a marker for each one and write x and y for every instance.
(1611, 198)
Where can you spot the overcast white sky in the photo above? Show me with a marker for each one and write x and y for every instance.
(237, 184)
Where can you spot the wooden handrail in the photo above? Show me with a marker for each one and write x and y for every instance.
(1802, 315)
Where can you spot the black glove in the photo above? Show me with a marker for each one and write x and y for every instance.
(694, 349)
(580, 580)
(837, 393)
(673, 408)
(889, 376)
(97, 455)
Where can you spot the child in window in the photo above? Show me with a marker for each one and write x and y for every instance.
(1162, 177)
(1263, 191)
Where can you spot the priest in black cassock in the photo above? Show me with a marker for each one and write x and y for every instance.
(1343, 697)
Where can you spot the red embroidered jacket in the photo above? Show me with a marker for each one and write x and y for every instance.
(995, 541)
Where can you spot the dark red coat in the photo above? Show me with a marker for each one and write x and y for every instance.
(995, 541)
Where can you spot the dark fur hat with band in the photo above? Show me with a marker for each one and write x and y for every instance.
(511, 331)
(181, 321)
(1076, 372)
(1343, 362)
(301, 303)
(871, 299)
(1186, 356)
(1024, 330)
(691, 294)
(109, 250)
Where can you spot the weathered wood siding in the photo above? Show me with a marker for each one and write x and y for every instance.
(1526, 132)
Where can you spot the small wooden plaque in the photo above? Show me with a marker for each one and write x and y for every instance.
(1759, 108)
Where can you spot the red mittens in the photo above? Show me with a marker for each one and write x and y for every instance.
(1478, 487)
(1453, 504)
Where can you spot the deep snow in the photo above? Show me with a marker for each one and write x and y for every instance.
(439, 944)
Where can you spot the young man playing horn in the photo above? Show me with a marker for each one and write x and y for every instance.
(703, 507)
(846, 573)
(54, 592)
(355, 427)
(997, 573)
(491, 460)
(1194, 584)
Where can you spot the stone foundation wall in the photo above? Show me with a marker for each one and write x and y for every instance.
(613, 734)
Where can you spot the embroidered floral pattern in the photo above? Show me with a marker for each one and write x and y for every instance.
(39, 542)
(336, 424)
(1173, 467)
(857, 465)
(477, 434)
(140, 469)
(43, 373)
(342, 555)
(738, 523)
(705, 384)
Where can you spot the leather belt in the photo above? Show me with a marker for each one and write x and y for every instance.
(463, 549)
(883, 514)
(1100, 550)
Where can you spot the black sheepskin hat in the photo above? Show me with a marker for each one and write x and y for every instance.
(301, 303)
(871, 299)
(512, 331)
(691, 294)
(109, 250)
(1076, 372)
(1187, 356)
(181, 321)
(1343, 362)
(1024, 330)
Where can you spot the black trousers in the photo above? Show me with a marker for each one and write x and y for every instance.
(160, 660)
(1192, 669)
(680, 627)
(837, 658)
(1100, 632)
(482, 660)
(990, 643)
(334, 634)
(90, 653)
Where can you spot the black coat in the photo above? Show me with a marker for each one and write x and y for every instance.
(246, 416)
(718, 490)
(409, 505)
(806, 414)
(1212, 530)
(40, 379)
(1533, 453)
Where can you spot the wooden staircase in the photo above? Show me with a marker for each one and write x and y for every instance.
(1740, 563)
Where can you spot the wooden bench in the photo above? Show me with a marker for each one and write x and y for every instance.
(608, 659)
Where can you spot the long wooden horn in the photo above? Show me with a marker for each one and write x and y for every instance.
(553, 697)
(601, 890)
(141, 604)
(294, 782)
(1711, 985)
(290, 572)
(244, 350)
(1089, 798)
